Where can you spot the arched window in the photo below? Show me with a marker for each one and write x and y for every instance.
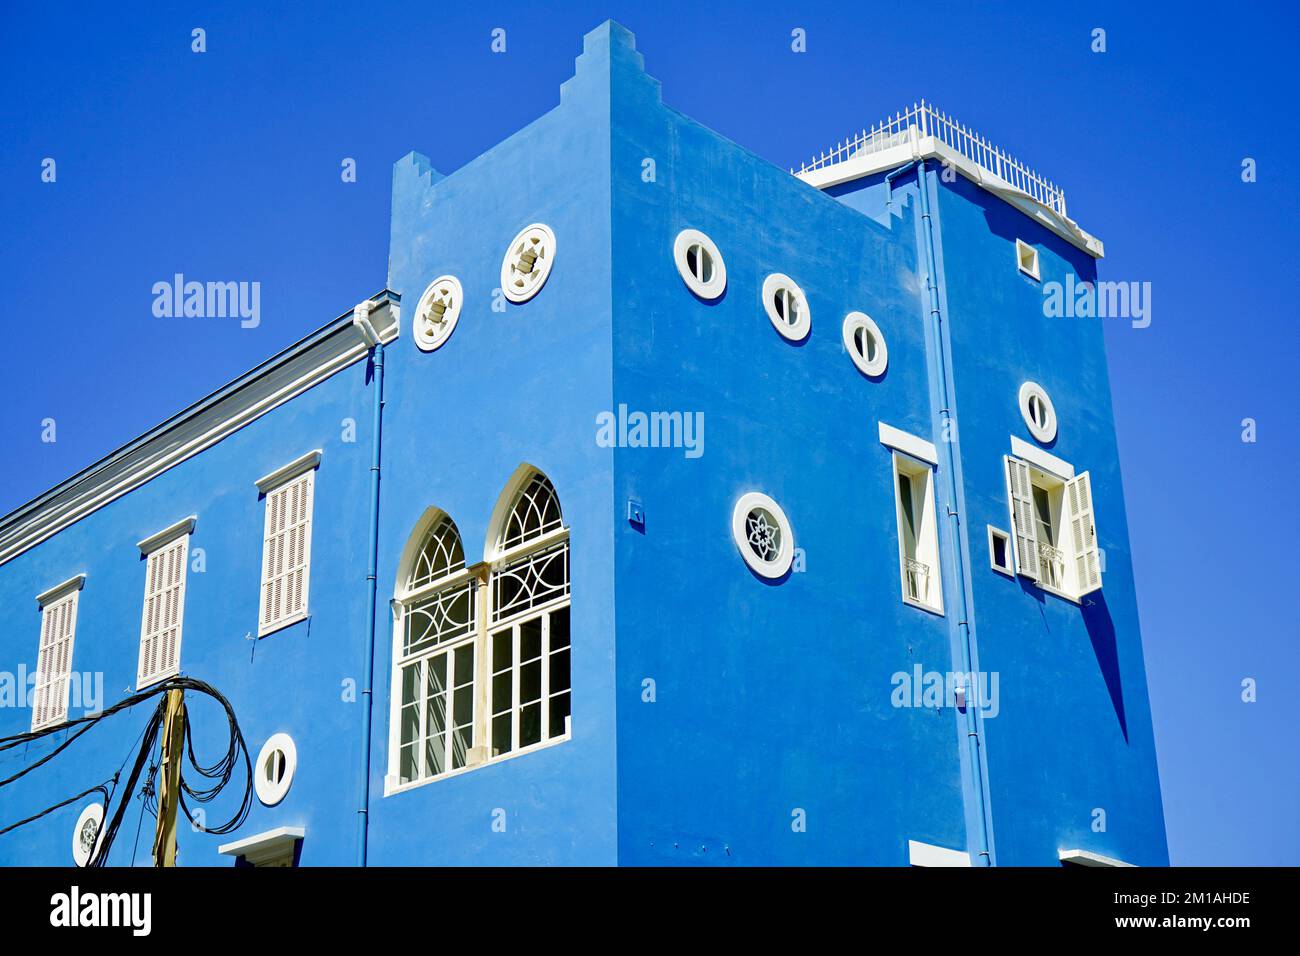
(481, 653)
(530, 698)
(434, 657)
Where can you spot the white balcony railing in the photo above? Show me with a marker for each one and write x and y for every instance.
(932, 122)
(1051, 563)
(918, 580)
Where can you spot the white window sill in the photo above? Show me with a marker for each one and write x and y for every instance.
(281, 625)
(392, 790)
(921, 606)
(1059, 593)
(157, 679)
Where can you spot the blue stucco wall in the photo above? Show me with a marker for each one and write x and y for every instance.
(290, 681)
(769, 697)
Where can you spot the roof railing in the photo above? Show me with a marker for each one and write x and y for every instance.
(895, 131)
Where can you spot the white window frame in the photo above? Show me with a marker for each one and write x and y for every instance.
(1032, 393)
(705, 289)
(59, 606)
(432, 333)
(300, 473)
(860, 321)
(1074, 553)
(537, 236)
(1027, 259)
(1009, 569)
(775, 567)
(926, 548)
(795, 331)
(483, 579)
(166, 553)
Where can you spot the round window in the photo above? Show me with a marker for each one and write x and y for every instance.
(437, 313)
(528, 262)
(700, 264)
(1039, 413)
(763, 534)
(86, 834)
(786, 306)
(865, 344)
(273, 772)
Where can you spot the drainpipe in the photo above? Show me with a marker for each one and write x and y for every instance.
(361, 320)
(889, 182)
(978, 786)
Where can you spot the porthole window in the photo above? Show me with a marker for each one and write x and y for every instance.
(763, 534)
(700, 264)
(528, 262)
(865, 344)
(786, 306)
(86, 834)
(1038, 411)
(274, 770)
(437, 313)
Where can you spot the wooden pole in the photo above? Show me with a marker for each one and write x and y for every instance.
(169, 777)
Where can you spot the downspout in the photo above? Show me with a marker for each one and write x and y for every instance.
(361, 319)
(978, 785)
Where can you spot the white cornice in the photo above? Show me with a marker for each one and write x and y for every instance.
(1044, 460)
(908, 443)
(292, 470)
(75, 583)
(167, 535)
(287, 375)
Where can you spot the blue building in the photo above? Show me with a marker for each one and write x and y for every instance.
(684, 510)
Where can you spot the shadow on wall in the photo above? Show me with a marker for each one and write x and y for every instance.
(1101, 631)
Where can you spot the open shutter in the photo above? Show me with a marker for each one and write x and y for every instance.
(1083, 535)
(54, 662)
(1024, 533)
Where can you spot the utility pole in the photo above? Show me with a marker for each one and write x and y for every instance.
(169, 776)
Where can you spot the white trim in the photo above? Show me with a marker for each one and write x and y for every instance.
(74, 583)
(779, 565)
(860, 320)
(286, 473)
(167, 535)
(909, 444)
(264, 846)
(1045, 432)
(427, 341)
(1010, 569)
(1040, 459)
(681, 245)
(800, 329)
(542, 267)
(190, 433)
(269, 791)
(1023, 247)
(927, 530)
(1088, 858)
(927, 854)
(92, 811)
(931, 147)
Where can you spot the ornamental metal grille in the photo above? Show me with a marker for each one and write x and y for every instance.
(763, 534)
(530, 582)
(441, 555)
(536, 511)
(442, 617)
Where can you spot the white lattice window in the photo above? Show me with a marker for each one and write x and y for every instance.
(286, 544)
(481, 653)
(1053, 532)
(54, 654)
(166, 556)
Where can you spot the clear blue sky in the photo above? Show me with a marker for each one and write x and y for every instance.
(226, 165)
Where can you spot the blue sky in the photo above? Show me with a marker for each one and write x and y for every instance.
(226, 165)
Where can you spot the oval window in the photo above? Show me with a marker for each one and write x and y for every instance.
(700, 264)
(865, 344)
(786, 306)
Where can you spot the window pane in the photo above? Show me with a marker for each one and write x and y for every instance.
(434, 762)
(501, 733)
(559, 711)
(530, 682)
(501, 692)
(410, 723)
(463, 711)
(408, 769)
(560, 628)
(560, 671)
(464, 665)
(530, 724)
(501, 651)
(530, 640)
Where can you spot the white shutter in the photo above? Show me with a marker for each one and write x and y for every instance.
(1083, 535)
(54, 662)
(164, 611)
(286, 553)
(1024, 532)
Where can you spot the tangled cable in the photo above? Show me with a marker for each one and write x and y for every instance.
(219, 773)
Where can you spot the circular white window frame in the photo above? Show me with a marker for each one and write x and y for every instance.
(855, 321)
(751, 501)
(81, 854)
(1043, 431)
(717, 284)
(430, 335)
(797, 331)
(537, 235)
(269, 791)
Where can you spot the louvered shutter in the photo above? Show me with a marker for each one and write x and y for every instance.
(54, 662)
(164, 611)
(1083, 535)
(286, 552)
(1024, 533)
